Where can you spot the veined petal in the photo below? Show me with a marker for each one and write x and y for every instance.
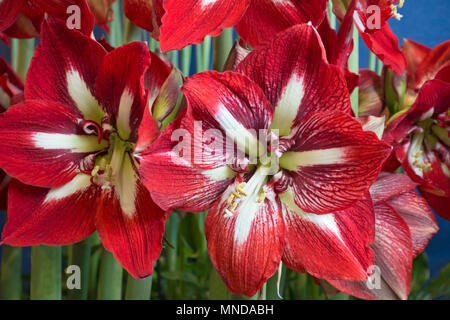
(144, 13)
(9, 11)
(173, 181)
(119, 87)
(130, 224)
(64, 68)
(331, 246)
(390, 185)
(333, 162)
(231, 103)
(414, 53)
(439, 204)
(189, 21)
(43, 144)
(296, 78)
(245, 248)
(58, 216)
(435, 59)
(393, 257)
(255, 28)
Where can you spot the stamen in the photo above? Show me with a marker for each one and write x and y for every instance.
(262, 197)
(230, 199)
(239, 188)
(237, 195)
(234, 206)
(418, 154)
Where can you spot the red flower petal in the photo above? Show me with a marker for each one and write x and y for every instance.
(333, 162)
(130, 224)
(331, 246)
(11, 86)
(390, 185)
(189, 21)
(57, 216)
(144, 13)
(9, 11)
(173, 181)
(296, 78)
(439, 204)
(255, 28)
(393, 256)
(246, 248)
(414, 53)
(431, 64)
(64, 68)
(119, 87)
(42, 134)
(371, 95)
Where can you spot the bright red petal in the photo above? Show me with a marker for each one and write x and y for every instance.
(439, 204)
(332, 161)
(64, 68)
(50, 216)
(431, 64)
(331, 246)
(245, 248)
(133, 236)
(296, 78)
(255, 28)
(43, 144)
(414, 53)
(9, 11)
(189, 21)
(120, 89)
(393, 257)
(144, 13)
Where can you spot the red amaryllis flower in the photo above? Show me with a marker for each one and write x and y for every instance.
(263, 213)
(187, 22)
(421, 136)
(72, 147)
(11, 92)
(23, 18)
(371, 18)
(403, 226)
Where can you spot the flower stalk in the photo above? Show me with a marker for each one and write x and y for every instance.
(81, 257)
(110, 279)
(353, 65)
(222, 45)
(45, 273)
(138, 289)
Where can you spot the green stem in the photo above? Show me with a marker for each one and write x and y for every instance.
(380, 66)
(331, 15)
(131, 32)
(173, 230)
(110, 279)
(10, 273)
(372, 61)
(206, 52)
(116, 36)
(21, 53)
(222, 46)
(45, 273)
(81, 256)
(138, 289)
(353, 64)
(199, 58)
(186, 57)
(96, 250)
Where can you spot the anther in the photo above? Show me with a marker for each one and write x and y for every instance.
(237, 195)
(261, 197)
(234, 206)
(239, 188)
(230, 199)
(418, 154)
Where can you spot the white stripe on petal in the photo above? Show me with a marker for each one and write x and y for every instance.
(219, 174)
(123, 120)
(293, 160)
(73, 142)
(206, 3)
(126, 187)
(83, 97)
(287, 107)
(79, 183)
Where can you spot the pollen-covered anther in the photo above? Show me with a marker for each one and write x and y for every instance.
(395, 14)
(240, 190)
(418, 154)
(234, 198)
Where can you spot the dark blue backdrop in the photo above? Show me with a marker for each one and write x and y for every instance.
(425, 21)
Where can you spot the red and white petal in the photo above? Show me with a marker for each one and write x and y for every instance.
(130, 224)
(173, 181)
(331, 246)
(418, 216)
(64, 10)
(390, 185)
(156, 76)
(296, 78)
(255, 28)
(64, 68)
(119, 87)
(58, 216)
(393, 257)
(231, 104)
(189, 21)
(246, 246)
(332, 162)
(9, 11)
(43, 144)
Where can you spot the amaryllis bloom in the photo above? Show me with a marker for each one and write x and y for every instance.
(72, 148)
(371, 18)
(11, 92)
(181, 23)
(268, 207)
(421, 137)
(403, 226)
(23, 18)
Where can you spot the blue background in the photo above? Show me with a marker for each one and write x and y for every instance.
(427, 22)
